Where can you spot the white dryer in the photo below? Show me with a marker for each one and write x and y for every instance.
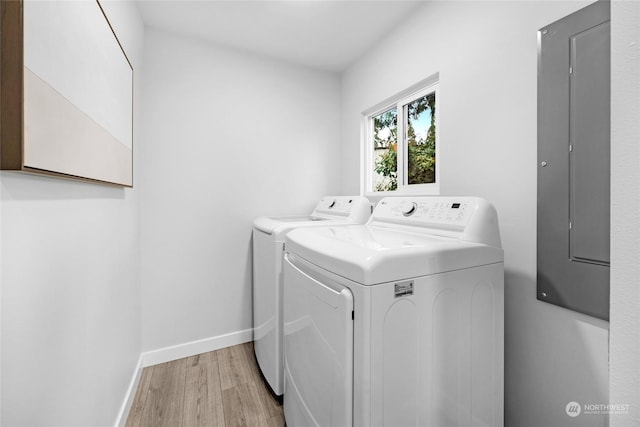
(268, 250)
(398, 322)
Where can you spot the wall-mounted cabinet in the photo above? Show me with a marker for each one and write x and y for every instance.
(66, 89)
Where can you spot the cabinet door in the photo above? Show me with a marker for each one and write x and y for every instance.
(573, 161)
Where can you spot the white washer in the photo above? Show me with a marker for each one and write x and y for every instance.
(268, 250)
(398, 322)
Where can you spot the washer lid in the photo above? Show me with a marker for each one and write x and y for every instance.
(269, 225)
(370, 255)
(330, 210)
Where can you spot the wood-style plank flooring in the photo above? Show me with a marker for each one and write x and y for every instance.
(220, 388)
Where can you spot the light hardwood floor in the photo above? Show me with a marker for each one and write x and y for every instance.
(220, 388)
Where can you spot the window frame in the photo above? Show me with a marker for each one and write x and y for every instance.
(399, 101)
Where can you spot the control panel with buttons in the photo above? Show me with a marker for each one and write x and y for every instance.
(335, 204)
(448, 212)
(470, 218)
(354, 208)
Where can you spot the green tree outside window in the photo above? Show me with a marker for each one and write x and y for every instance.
(420, 146)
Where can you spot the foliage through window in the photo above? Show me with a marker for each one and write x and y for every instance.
(396, 163)
(385, 145)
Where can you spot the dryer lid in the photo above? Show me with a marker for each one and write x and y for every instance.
(370, 255)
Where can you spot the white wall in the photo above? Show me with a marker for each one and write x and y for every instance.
(70, 287)
(625, 212)
(227, 137)
(486, 54)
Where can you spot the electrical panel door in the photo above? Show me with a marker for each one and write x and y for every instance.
(574, 161)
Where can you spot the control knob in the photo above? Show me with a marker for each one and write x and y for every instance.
(408, 208)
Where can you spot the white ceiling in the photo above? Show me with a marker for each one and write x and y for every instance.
(324, 34)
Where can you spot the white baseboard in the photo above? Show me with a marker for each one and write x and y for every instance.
(179, 351)
(131, 393)
(175, 352)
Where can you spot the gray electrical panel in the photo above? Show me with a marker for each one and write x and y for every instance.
(574, 161)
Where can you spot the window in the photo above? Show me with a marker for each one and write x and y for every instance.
(400, 142)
